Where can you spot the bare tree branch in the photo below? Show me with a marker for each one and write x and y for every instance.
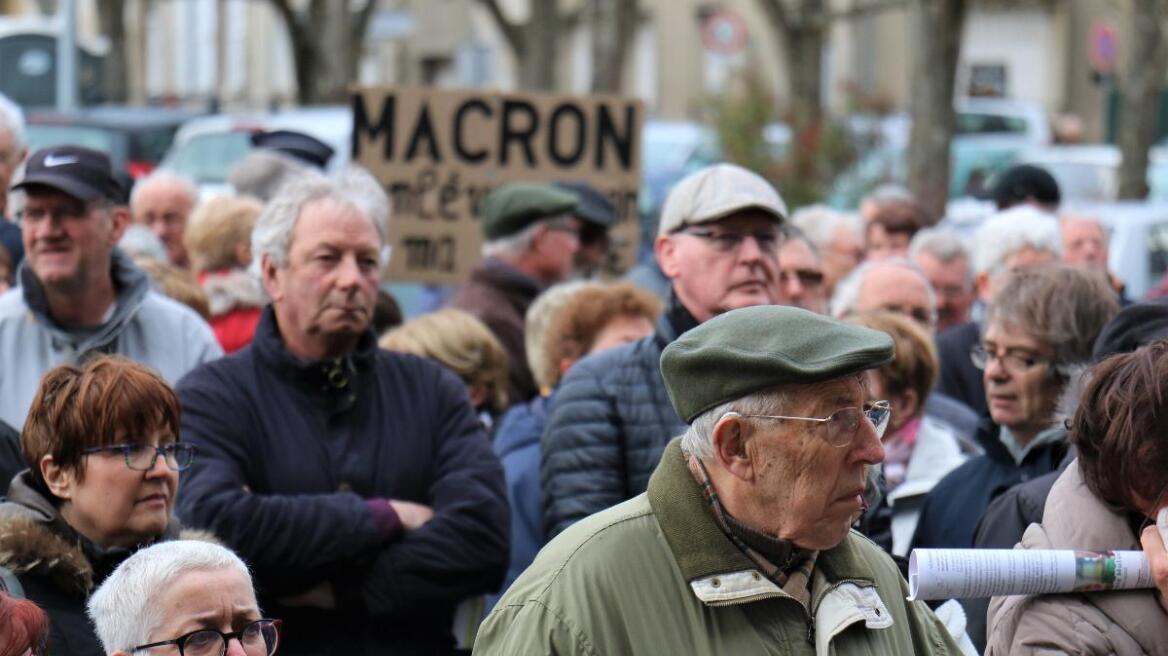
(511, 31)
(361, 18)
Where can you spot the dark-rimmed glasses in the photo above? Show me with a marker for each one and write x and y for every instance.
(806, 277)
(842, 425)
(259, 638)
(141, 457)
(729, 241)
(1011, 360)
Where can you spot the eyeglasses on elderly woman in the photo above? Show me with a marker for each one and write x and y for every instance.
(258, 638)
(142, 457)
(842, 426)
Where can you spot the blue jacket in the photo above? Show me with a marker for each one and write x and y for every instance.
(288, 453)
(517, 445)
(952, 510)
(610, 422)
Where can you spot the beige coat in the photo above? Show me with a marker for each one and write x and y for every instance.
(1105, 623)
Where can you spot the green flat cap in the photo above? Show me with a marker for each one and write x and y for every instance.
(747, 350)
(512, 207)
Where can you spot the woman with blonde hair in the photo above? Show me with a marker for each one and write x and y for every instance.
(586, 320)
(218, 242)
(918, 449)
(463, 344)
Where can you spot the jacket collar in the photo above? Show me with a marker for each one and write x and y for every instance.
(700, 548)
(335, 378)
(675, 320)
(131, 285)
(496, 273)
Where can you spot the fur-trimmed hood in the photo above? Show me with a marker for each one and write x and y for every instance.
(36, 541)
(231, 289)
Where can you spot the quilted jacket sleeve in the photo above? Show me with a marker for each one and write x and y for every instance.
(582, 466)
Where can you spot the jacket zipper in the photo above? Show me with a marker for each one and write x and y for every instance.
(868, 583)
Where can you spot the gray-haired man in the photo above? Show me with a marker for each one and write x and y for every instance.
(357, 482)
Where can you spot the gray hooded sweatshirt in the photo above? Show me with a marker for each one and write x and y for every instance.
(145, 326)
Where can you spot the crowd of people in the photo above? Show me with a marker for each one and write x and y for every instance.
(218, 435)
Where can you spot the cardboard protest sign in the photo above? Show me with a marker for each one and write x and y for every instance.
(439, 152)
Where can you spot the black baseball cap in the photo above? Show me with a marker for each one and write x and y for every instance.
(594, 207)
(80, 172)
(304, 147)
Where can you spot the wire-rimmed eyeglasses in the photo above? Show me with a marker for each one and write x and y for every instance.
(843, 424)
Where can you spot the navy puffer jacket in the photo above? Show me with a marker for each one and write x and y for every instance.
(609, 425)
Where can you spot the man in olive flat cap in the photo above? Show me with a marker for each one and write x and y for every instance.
(742, 542)
(718, 242)
(531, 238)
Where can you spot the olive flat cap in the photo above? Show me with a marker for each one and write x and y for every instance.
(751, 349)
(512, 207)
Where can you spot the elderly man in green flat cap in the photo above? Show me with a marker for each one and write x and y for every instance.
(531, 239)
(742, 543)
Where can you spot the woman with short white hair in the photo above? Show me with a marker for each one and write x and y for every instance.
(184, 597)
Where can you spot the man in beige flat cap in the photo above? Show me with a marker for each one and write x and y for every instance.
(718, 241)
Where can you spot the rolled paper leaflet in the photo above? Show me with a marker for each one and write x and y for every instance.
(970, 573)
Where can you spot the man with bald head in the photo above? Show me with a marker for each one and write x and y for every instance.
(162, 201)
(897, 285)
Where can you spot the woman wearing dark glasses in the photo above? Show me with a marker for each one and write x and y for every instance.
(101, 446)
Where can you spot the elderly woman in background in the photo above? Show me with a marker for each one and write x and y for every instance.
(1104, 501)
(918, 450)
(589, 319)
(1039, 330)
(460, 342)
(101, 444)
(182, 597)
(218, 242)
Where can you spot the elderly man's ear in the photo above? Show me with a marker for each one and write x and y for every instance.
(732, 448)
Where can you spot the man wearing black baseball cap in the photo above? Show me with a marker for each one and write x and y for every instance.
(78, 295)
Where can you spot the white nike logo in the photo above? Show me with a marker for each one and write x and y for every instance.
(58, 160)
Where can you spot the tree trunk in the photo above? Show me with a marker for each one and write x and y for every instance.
(537, 69)
(327, 42)
(936, 31)
(801, 30)
(613, 25)
(111, 18)
(1141, 82)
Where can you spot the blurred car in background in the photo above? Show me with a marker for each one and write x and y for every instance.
(136, 138)
(989, 134)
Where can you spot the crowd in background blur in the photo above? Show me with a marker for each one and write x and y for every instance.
(376, 484)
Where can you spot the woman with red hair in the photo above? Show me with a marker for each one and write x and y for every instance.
(26, 627)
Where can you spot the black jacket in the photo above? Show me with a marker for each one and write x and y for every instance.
(959, 378)
(56, 567)
(290, 451)
(11, 459)
(608, 426)
(952, 509)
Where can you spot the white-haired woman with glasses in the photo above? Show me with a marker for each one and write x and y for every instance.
(103, 456)
(183, 597)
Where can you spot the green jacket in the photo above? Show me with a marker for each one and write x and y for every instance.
(655, 575)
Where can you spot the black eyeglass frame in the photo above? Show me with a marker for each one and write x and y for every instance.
(227, 637)
(158, 451)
